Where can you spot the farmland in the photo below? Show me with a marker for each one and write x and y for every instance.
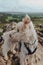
(16, 17)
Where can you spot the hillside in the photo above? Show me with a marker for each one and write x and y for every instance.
(35, 59)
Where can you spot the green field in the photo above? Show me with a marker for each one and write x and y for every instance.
(37, 22)
(16, 17)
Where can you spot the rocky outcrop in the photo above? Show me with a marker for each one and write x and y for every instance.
(34, 59)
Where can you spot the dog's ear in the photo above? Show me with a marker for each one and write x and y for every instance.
(26, 19)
